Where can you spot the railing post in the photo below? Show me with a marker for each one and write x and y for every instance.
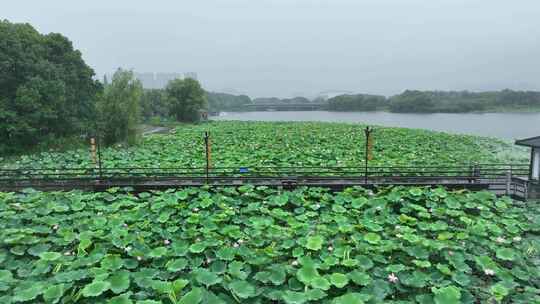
(367, 133)
(206, 143)
(508, 181)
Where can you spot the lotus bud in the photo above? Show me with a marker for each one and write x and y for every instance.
(489, 272)
(392, 278)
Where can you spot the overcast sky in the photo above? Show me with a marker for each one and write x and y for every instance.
(302, 47)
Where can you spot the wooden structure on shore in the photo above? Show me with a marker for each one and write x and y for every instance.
(533, 179)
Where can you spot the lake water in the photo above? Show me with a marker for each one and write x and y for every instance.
(507, 126)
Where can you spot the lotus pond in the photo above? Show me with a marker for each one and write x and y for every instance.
(287, 144)
(261, 245)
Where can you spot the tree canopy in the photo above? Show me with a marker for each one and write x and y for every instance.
(186, 99)
(46, 88)
(119, 108)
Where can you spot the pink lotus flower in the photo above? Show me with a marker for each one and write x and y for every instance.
(392, 278)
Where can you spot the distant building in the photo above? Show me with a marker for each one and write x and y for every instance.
(148, 80)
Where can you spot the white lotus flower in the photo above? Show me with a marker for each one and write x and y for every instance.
(208, 261)
(489, 272)
(195, 209)
(67, 253)
(128, 249)
(450, 253)
(294, 263)
(139, 258)
(517, 239)
(55, 227)
(392, 278)
(235, 245)
(500, 240)
(378, 208)
(125, 225)
(330, 248)
(317, 206)
(240, 241)
(398, 227)
(166, 242)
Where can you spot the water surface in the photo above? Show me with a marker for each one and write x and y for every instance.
(509, 126)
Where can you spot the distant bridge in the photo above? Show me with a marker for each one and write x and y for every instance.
(313, 106)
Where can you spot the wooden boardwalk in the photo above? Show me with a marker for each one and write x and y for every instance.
(501, 179)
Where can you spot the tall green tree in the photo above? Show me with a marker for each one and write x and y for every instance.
(119, 108)
(46, 89)
(186, 99)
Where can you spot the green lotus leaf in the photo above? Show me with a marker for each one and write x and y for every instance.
(176, 265)
(351, 298)
(314, 242)
(293, 297)
(320, 283)
(95, 288)
(236, 269)
(506, 254)
(152, 302)
(499, 291)
(112, 262)
(339, 280)
(50, 256)
(206, 277)
(121, 299)
(277, 274)
(27, 292)
(6, 276)
(53, 293)
(307, 274)
(372, 238)
(315, 294)
(158, 252)
(226, 253)
(38, 249)
(119, 282)
(242, 289)
(197, 248)
(447, 295)
(360, 278)
(395, 268)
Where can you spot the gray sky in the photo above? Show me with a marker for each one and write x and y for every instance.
(290, 47)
